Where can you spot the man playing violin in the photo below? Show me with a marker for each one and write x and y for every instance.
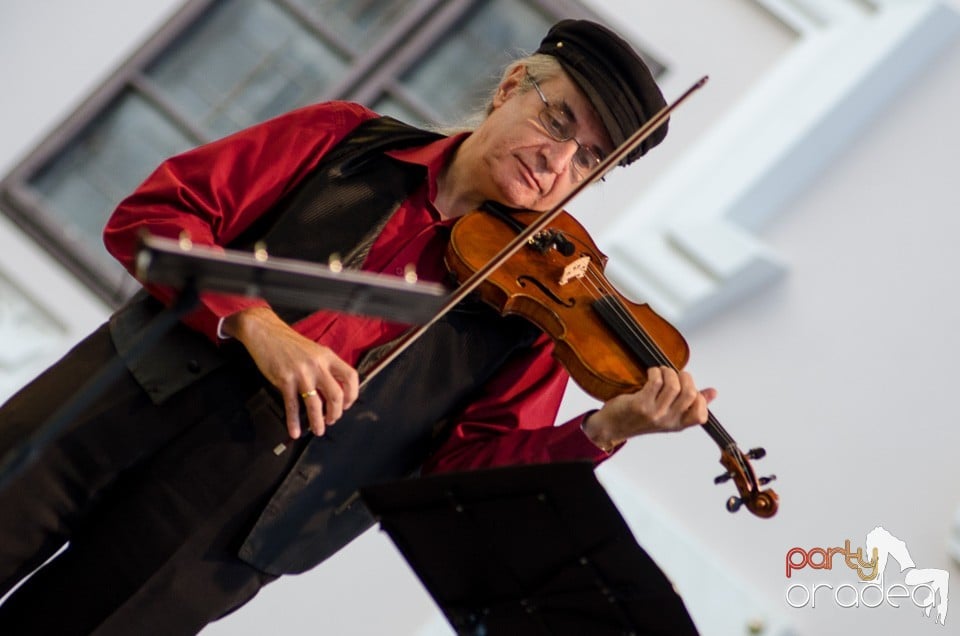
(232, 453)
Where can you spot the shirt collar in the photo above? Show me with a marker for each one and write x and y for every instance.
(434, 156)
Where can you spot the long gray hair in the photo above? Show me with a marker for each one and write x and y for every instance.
(540, 66)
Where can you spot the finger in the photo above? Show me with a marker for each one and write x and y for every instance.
(653, 384)
(332, 397)
(668, 392)
(696, 414)
(348, 379)
(291, 404)
(699, 412)
(314, 405)
(688, 392)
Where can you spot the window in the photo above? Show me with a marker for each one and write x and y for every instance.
(221, 65)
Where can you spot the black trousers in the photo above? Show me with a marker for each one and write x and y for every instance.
(153, 500)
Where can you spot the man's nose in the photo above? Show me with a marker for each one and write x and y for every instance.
(559, 155)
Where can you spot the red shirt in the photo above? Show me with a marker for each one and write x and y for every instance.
(216, 191)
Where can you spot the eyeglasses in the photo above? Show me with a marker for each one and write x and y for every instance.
(557, 123)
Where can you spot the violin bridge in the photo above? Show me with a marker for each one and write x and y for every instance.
(576, 269)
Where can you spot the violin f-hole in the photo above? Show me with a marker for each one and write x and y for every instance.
(522, 280)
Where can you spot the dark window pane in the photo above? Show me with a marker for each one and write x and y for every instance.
(457, 75)
(358, 21)
(246, 61)
(84, 183)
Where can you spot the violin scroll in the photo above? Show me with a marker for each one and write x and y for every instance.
(762, 503)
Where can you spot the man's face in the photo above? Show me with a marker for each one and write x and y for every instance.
(526, 167)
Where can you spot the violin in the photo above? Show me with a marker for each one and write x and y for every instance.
(545, 267)
(605, 341)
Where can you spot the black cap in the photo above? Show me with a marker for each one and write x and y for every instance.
(612, 76)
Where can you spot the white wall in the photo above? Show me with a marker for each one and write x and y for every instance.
(843, 369)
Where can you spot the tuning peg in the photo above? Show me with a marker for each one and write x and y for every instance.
(719, 479)
(756, 453)
(563, 244)
(734, 503)
(766, 480)
(184, 241)
(260, 251)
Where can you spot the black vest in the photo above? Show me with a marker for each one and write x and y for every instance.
(389, 431)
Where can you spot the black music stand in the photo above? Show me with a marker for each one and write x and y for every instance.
(286, 282)
(538, 549)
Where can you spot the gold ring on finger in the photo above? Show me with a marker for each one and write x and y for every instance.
(309, 393)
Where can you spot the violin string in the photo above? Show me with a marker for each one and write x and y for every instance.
(596, 287)
(597, 290)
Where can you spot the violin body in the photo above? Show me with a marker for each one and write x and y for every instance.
(590, 338)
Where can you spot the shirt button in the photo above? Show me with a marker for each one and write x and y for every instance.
(398, 271)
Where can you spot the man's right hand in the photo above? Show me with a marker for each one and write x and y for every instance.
(298, 367)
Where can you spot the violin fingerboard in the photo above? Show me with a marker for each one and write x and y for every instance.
(619, 319)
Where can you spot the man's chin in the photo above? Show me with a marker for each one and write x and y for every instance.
(519, 196)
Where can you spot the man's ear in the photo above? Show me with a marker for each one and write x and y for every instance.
(509, 85)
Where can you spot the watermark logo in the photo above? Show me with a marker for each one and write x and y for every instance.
(927, 588)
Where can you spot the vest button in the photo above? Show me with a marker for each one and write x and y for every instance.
(193, 366)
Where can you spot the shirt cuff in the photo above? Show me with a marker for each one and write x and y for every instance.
(220, 334)
(571, 443)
